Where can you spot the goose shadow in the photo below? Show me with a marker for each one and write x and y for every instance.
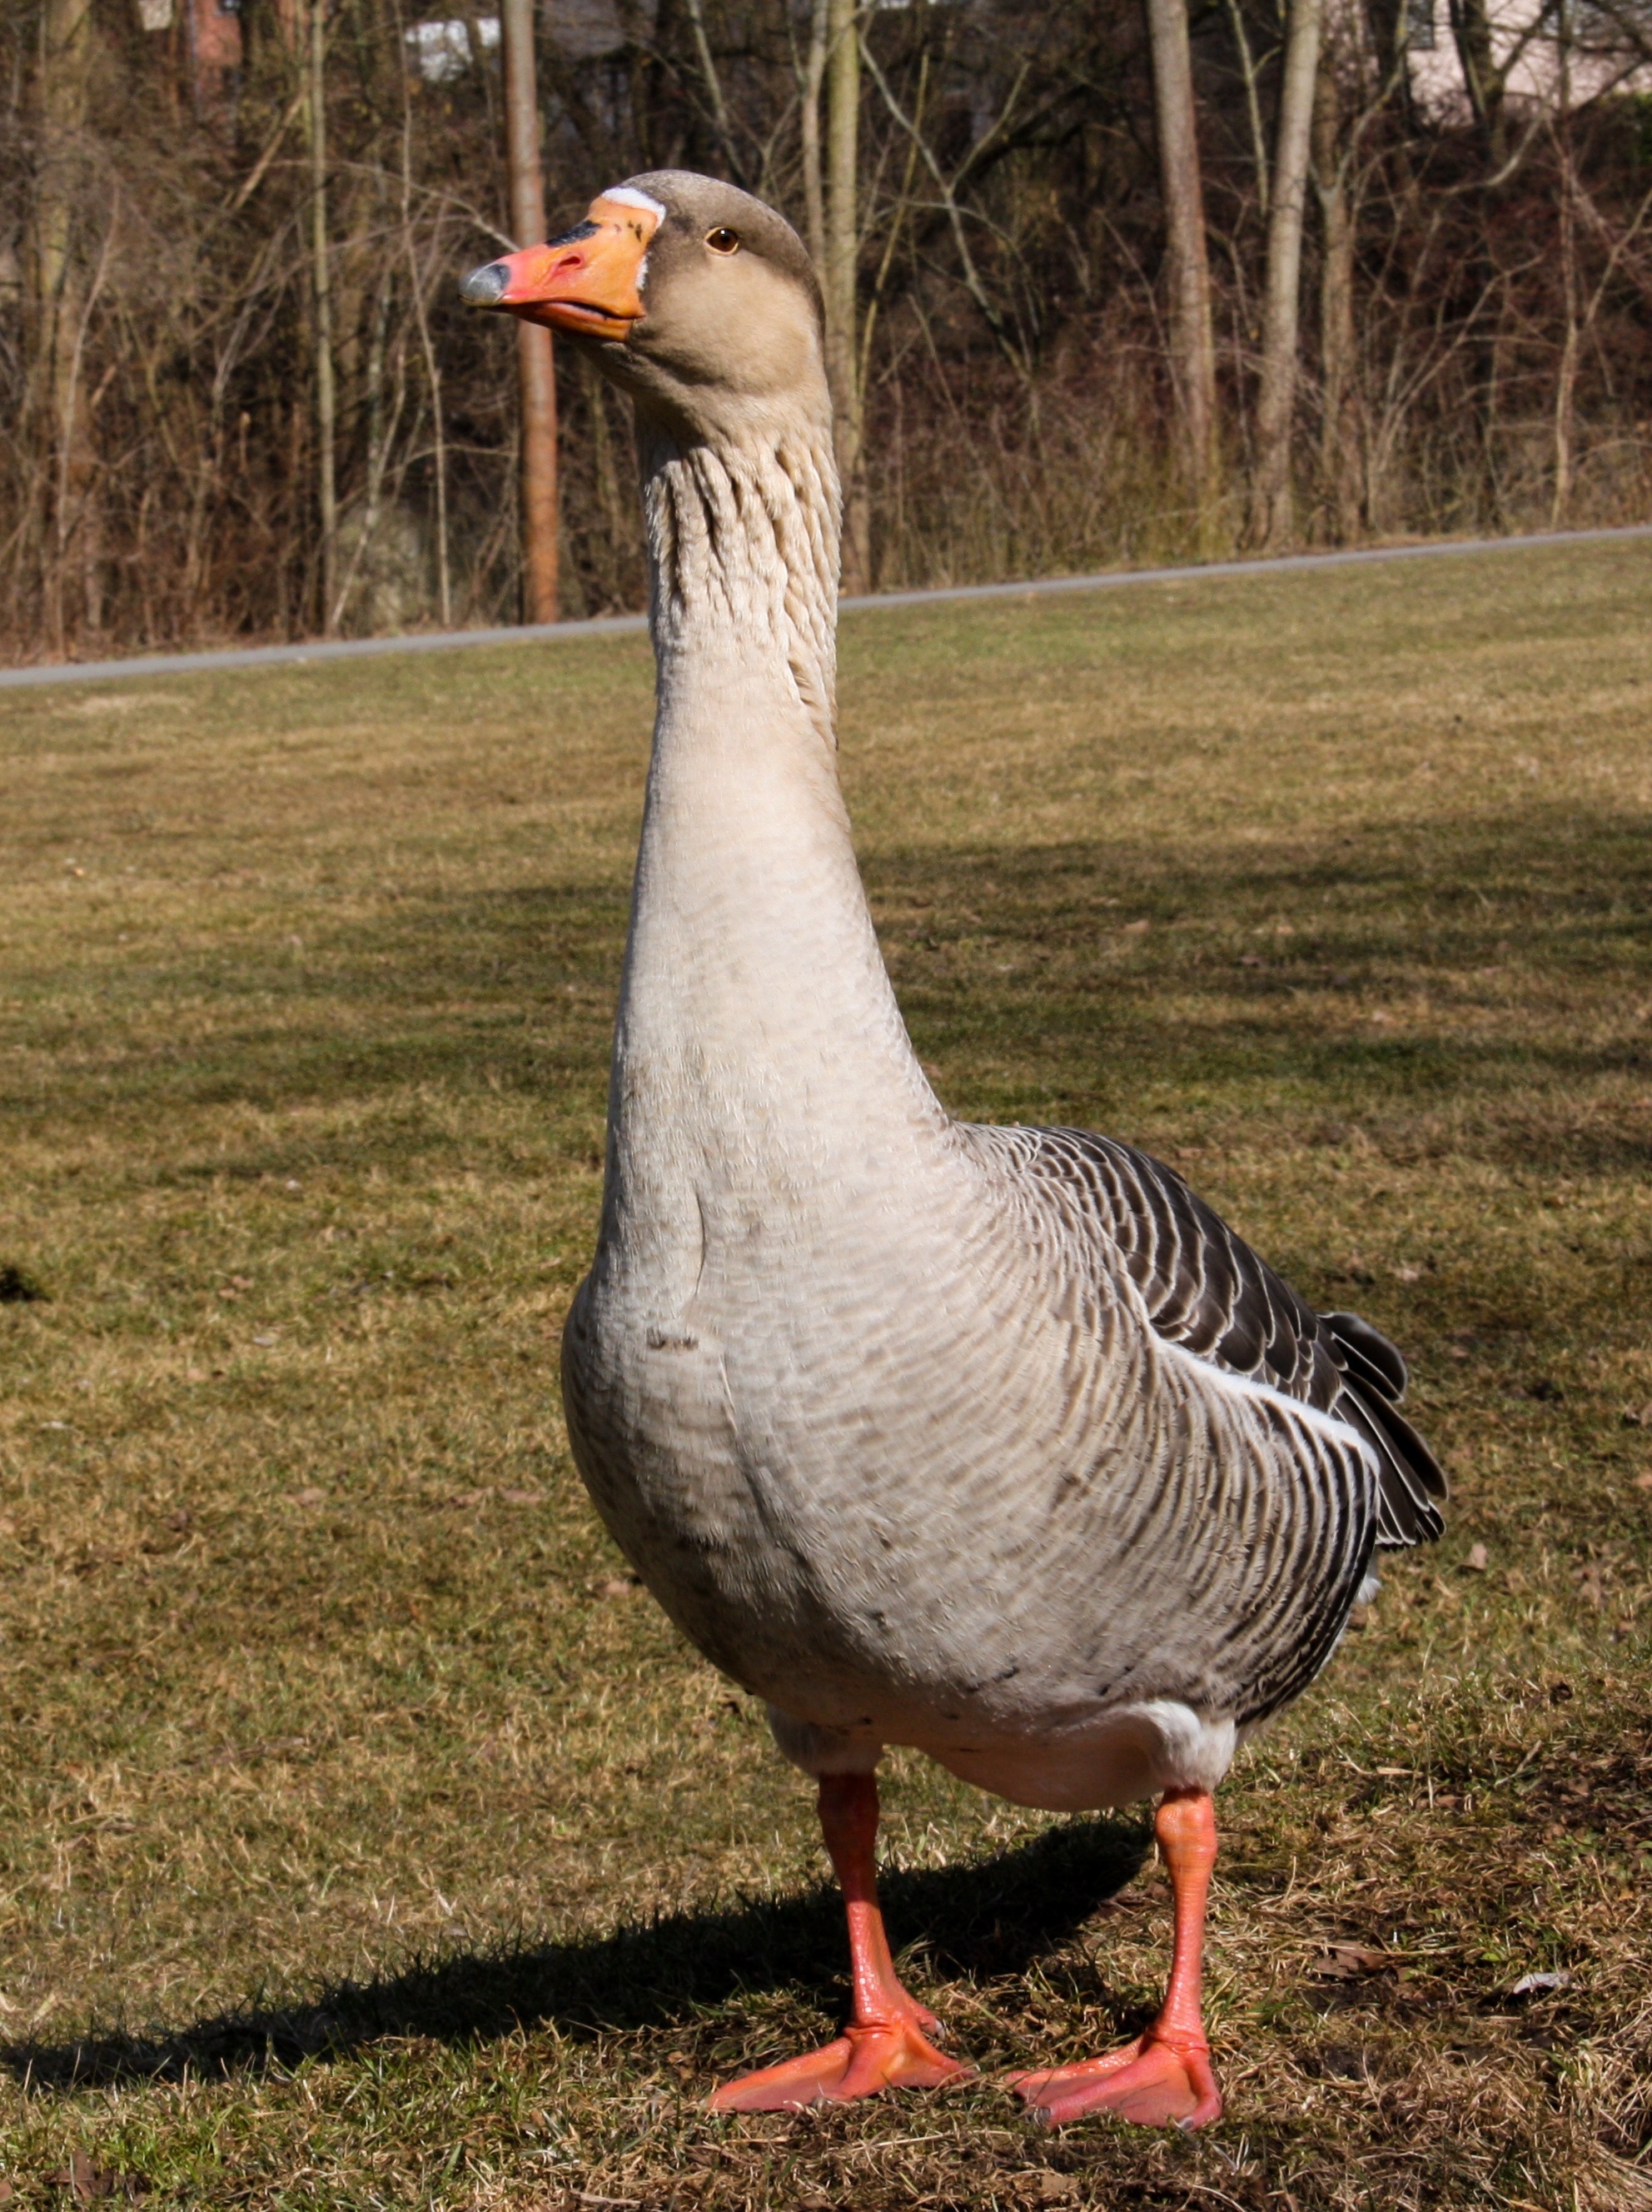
(986, 1917)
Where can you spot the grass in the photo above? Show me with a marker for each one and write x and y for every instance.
(367, 1838)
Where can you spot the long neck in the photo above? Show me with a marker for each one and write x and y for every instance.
(757, 1020)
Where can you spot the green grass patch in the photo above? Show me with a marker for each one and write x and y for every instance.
(366, 1837)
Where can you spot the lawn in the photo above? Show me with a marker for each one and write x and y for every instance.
(366, 1837)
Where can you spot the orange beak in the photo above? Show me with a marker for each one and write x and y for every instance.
(588, 280)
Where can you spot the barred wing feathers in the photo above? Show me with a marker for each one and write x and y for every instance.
(1206, 1289)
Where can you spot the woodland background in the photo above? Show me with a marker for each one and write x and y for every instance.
(1108, 281)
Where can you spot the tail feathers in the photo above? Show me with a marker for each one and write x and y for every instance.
(1410, 1479)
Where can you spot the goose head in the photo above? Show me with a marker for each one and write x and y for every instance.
(698, 299)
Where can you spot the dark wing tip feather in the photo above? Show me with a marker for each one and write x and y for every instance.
(1369, 1354)
(1410, 1479)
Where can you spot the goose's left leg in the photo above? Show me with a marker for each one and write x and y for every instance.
(886, 2044)
(1164, 2075)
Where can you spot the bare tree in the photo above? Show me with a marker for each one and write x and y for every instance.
(1333, 149)
(813, 77)
(536, 374)
(61, 307)
(842, 232)
(326, 405)
(1191, 336)
(1273, 520)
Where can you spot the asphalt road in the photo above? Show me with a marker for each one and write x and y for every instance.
(366, 648)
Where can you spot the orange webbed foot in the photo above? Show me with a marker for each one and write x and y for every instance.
(864, 2061)
(1151, 2083)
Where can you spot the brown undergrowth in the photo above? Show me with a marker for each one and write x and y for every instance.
(368, 1839)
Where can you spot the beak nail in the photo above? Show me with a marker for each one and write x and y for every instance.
(485, 287)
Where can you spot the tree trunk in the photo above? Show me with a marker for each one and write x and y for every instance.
(814, 75)
(535, 372)
(1192, 344)
(1470, 27)
(1272, 519)
(1338, 419)
(59, 286)
(842, 240)
(1565, 389)
(326, 408)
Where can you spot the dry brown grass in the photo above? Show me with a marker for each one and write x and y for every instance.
(367, 1840)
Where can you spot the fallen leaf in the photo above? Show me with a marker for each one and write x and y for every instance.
(1528, 1984)
(266, 1341)
(1135, 928)
(523, 1497)
(91, 2185)
(1347, 1962)
(1477, 1560)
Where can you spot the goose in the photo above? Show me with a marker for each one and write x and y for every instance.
(991, 1441)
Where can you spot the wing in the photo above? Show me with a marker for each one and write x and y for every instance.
(1204, 1288)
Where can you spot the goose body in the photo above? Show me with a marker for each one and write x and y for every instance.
(994, 1442)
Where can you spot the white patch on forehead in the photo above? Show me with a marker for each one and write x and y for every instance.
(628, 196)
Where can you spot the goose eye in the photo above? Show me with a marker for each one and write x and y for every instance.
(723, 241)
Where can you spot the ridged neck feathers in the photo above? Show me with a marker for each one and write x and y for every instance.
(742, 544)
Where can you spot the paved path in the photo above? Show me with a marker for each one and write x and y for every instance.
(368, 648)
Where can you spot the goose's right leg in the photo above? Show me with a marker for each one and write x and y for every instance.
(1164, 2077)
(886, 2045)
